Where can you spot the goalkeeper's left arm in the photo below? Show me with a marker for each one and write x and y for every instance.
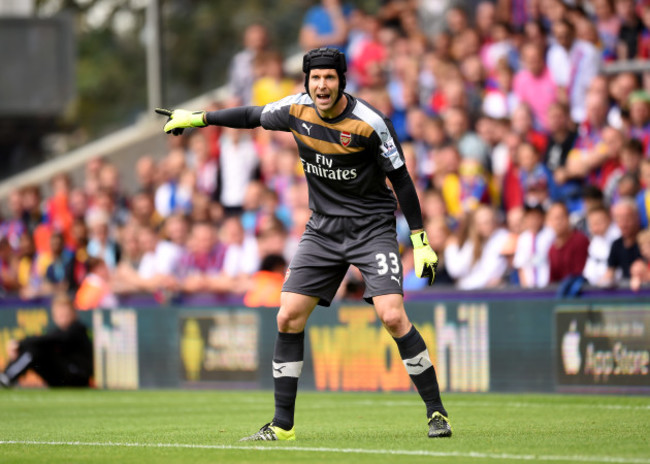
(242, 117)
(425, 259)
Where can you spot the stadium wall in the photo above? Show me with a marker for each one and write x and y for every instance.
(495, 345)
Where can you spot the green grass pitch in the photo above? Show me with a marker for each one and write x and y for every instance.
(88, 426)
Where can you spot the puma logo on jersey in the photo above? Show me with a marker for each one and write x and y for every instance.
(396, 279)
(307, 128)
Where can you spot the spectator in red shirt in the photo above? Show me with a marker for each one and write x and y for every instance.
(568, 253)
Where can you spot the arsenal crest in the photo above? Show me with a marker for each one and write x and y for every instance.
(345, 138)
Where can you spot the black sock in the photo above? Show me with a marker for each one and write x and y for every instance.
(287, 365)
(416, 359)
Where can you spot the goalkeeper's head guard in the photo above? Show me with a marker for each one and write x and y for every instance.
(325, 58)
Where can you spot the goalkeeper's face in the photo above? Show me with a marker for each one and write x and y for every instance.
(324, 90)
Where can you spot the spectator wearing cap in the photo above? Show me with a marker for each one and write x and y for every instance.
(531, 254)
(568, 253)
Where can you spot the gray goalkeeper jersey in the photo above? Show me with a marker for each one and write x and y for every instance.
(345, 159)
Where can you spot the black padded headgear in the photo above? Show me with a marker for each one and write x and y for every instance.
(325, 58)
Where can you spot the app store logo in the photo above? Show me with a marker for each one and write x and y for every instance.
(571, 357)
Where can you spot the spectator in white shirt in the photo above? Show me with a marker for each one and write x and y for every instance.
(602, 232)
(238, 163)
(478, 262)
(573, 64)
(160, 258)
(241, 75)
(170, 250)
(242, 257)
(531, 255)
(173, 195)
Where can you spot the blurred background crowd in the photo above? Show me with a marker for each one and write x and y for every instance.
(532, 165)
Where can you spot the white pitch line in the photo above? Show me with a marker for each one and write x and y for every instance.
(16, 398)
(440, 454)
(488, 404)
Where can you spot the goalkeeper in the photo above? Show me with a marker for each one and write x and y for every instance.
(347, 149)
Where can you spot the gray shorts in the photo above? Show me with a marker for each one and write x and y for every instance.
(331, 243)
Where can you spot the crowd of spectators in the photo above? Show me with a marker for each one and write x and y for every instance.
(532, 165)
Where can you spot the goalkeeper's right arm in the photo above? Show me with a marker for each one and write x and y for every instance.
(242, 117)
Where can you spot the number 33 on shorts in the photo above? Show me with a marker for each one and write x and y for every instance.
(386, 263)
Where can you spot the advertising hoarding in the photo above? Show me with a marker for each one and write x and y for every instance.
(219, 346)
(603, 346)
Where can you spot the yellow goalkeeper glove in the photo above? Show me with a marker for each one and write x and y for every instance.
(181, 119)
(425, 259)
